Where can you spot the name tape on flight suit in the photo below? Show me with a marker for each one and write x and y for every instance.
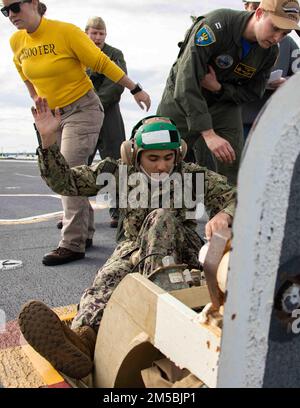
(244, 70)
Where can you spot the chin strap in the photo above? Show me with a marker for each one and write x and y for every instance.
(162, 178)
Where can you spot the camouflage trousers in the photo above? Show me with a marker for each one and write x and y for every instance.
(161, 234)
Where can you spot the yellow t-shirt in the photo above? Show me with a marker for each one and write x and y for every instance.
(54, 59)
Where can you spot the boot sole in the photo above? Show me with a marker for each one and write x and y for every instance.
(43, 330)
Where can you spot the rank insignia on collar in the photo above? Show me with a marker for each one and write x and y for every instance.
(205, 36)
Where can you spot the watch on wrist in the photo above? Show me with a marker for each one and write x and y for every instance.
(136, 89)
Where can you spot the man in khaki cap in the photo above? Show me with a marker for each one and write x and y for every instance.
(224, 61)
(284, 14)
(288, 54)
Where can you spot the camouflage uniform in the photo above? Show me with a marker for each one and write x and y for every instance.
(148, 230)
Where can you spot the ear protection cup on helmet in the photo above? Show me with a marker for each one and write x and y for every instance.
(127, 152)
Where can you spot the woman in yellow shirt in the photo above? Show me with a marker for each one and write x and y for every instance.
(51, 58)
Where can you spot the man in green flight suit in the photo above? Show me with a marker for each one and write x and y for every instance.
(152, 231)
(112, 133)
(224, 61)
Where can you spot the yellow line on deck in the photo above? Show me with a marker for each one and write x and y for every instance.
(48, 373)
(45, 217)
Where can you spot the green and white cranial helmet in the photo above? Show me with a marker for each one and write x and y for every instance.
(156, 133)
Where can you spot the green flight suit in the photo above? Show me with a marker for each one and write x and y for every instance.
(112, 133)
(216, 39)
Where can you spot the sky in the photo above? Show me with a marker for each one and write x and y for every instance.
(147, 31)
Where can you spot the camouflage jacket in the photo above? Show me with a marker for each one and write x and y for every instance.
(84, 181)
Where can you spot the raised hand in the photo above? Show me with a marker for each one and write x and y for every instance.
(46, 122)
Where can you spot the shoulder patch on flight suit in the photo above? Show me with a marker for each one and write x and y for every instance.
(205, 36)
(244, 70)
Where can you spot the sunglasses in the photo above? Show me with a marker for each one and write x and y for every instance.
(14, 7)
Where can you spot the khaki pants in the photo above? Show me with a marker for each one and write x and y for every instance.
(80, 127)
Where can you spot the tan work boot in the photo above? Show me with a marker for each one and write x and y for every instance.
(70, 352)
